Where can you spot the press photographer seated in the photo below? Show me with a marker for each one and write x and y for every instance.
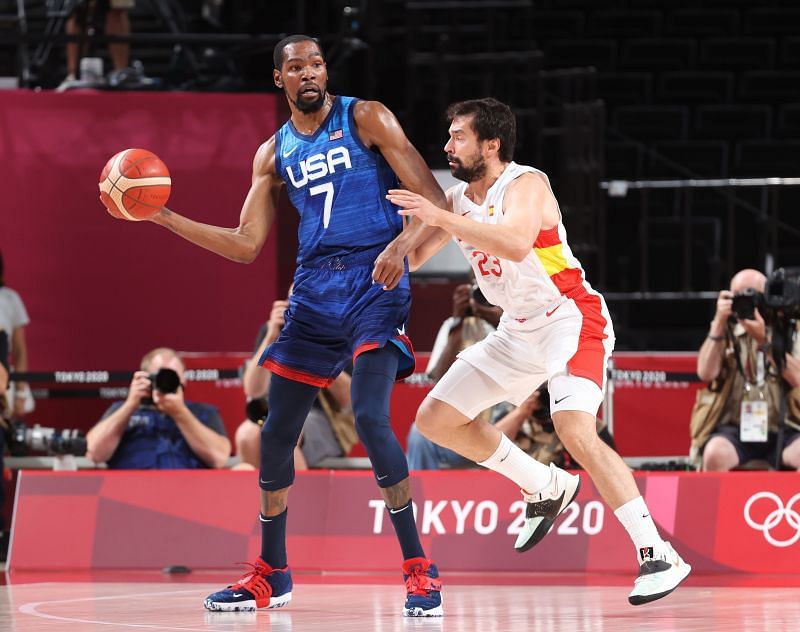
(154, 428)
(736, 420)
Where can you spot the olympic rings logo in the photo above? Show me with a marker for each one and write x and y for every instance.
(775, 517)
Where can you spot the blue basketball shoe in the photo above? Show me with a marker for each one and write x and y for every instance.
(260, 587)
(423, 588)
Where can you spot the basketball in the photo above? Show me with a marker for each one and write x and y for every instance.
(134, 184)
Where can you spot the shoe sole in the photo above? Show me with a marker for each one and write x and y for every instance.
(246, 606)
(545, 525)
(640, 600)
(438, 611)
(419, 612)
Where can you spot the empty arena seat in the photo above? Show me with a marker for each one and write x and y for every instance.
(790, 53)
(766, 158)
(788, 121)
(727, 53)
(701, 21)
(733, 121)
(658, 54)
(624, 161)
(771, 20)
(624, 22)
(558, 23)
(769, 86)
(703, 158)
(695, 87)
(625, 88)
(652, 122)
(600, 53)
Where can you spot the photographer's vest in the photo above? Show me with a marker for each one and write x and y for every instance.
(720, 403)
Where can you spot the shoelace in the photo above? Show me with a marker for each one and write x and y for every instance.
(256, 571)
(419, 583)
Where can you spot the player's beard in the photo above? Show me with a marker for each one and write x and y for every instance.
(470, 173)
(309, 107)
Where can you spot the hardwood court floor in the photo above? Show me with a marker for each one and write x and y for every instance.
(473, 603)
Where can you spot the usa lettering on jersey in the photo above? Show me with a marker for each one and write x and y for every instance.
(318, 166)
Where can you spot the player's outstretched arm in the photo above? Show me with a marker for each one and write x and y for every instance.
(433, 243)
(243, 243)
(510, 239)
(379, 128)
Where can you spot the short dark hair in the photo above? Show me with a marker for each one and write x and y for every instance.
(277, 53)
(490, 119)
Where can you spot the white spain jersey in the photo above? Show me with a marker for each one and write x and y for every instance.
(544, 280)
(522, 288)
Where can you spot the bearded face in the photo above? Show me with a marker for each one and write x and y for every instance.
(467, 169)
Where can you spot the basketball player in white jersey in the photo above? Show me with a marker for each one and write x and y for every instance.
(555, 326)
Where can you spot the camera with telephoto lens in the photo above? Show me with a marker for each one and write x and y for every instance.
(781, 312)
(165, 381)
(54, 441)
(782, 294)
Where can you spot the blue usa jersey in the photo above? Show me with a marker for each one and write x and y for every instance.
(338, 185)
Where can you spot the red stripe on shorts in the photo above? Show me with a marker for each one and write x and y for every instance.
(588, 360)
(297, 375)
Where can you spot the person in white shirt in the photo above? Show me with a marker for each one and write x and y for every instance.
(13, 320)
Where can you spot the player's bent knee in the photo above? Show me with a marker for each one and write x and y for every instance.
(432, 418)
(578, 432)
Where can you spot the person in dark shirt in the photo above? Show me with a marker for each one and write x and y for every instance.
(152, 429)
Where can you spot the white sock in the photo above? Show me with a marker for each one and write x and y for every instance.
(635, 517)
(514, 464)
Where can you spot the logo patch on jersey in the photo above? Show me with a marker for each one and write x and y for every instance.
(336, 135)
(319, 165)
(491, 210)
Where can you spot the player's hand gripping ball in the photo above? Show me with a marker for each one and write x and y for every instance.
(134, 184)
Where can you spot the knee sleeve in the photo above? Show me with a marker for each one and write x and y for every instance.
(373, 377)
(289, 403)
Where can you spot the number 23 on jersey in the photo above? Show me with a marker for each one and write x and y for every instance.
(487, 264)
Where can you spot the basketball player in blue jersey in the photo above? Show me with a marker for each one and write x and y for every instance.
(338, 157)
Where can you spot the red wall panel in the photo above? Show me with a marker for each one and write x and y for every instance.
(100, 291)
(742, 522)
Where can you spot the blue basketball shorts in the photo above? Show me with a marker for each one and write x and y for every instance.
(335, 313)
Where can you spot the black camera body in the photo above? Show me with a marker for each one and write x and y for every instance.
(54, 441)
(164, 381)
(745, 304)
(478, 297)
(256, 410)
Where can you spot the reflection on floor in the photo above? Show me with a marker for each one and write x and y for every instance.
(497, 602)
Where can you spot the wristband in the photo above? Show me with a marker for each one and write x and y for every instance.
(715, 338)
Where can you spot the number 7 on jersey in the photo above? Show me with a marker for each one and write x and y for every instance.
(327, 189)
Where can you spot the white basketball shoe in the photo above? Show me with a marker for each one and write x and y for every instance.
(658, 576)
(545, 506)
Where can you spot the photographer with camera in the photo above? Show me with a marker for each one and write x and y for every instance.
(736, 419)
(473, 318)
(329, 429)
(154, 428)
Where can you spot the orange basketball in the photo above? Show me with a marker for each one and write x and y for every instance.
(134, 184)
